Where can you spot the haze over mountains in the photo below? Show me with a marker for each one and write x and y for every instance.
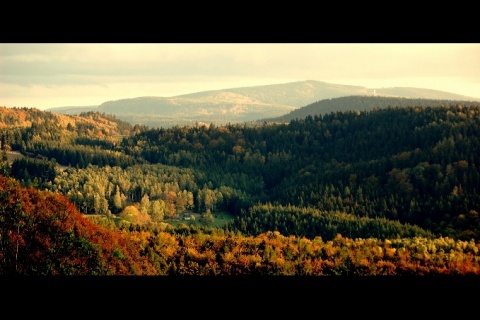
(244, 104)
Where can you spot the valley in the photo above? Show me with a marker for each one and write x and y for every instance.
(377, 186)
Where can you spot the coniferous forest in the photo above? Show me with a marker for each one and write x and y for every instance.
(388, 191)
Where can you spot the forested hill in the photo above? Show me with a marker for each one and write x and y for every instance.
(362, 103)
(66, 139)
(95, 123)
(415, 164)
(43, 234)
(390, 191)
(387, 191)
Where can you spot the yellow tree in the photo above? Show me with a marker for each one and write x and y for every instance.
(135, 216)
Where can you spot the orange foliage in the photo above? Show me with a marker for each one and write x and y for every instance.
(44, 234)
(48, 236)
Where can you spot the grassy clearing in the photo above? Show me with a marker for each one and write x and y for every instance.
(219, 220)
(119, 137)
(12, 155)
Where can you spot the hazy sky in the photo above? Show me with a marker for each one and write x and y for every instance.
(46, 75)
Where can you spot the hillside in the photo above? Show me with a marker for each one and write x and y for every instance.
(361, 103)
(66, 139)
(99, 124)
(389, 191)
(237, 105)
(377, 154)
(45, 235)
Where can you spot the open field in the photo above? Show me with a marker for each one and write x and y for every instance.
(12, 155)
(220, 219)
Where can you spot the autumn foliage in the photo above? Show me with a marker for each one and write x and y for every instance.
(272, 254)
(42, 233)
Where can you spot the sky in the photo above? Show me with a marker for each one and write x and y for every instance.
(50, 75)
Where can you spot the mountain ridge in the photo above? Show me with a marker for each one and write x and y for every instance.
(358, 104)
(243, 104)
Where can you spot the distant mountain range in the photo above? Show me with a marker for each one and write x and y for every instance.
(244, 104)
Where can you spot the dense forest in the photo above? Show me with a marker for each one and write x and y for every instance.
(45, 234)
(388, 191)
